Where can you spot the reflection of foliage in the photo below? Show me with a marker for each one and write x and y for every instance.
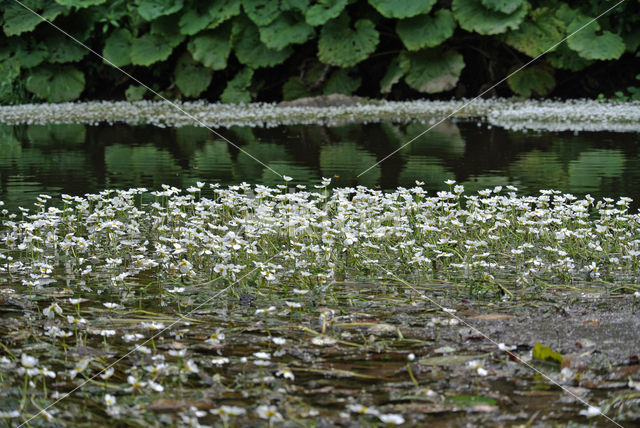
(345, 161)
(139, 165)
(342, 42)
(587, 172)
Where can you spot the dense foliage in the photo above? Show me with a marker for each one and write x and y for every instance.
(239, 51)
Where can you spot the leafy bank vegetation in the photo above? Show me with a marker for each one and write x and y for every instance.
(239, 51)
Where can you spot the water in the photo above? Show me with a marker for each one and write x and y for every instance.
(78, 159)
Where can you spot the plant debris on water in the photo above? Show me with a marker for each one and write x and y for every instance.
(288, 306)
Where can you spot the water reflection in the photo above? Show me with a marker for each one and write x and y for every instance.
(78, 159)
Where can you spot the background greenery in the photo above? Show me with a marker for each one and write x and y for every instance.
(269, 50)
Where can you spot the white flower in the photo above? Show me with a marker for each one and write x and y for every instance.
(279, 340)
(269, 412)
(28, 361)
(591, 411)
(109, 400)
(287, 178)
(392, 419)
(107, 373)
(359, 408)
(262, 355)
(52, 310)
(286, 373)
(450, 182)
(219, 361)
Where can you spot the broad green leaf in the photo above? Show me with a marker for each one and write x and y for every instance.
(299, 5)
(135, 93)
(426, 31)
(324, 10)
(534, 79)
(191, 77)
(165, 26)
(194, 19)
(63, 49)
(285, 30)
(149, 49)
(343, 46)
(504, 6)
(472, 16)
(237, 90)
(590, 45)
(80, 4)
(9, 72)
(222, 10)
(212, 47)
(341, 83)
(56, 83)
(261, 12)
(565, 58)
(294, 89)
(434, 71)
(117, 47)
(18, 20)
(250, 51)
(152, 9)
(398, 67)
(631, 39)
(545, 353)
(31, 53)
(402, 8)
(537, 34)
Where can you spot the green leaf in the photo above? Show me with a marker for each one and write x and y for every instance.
(341, 83)
(165, 27)
(152, 9)
(434, 71)
(472, 16)
(425, 31)
(504, 6)
(18, 20)
(261, 12)
(62, 49)
(194, 19)
(250, 51)
(342, 46)
(398, 67)
(135, 93)
(589, 45)
(535, 79)
(632, 39)
(80, 4)
(31, 53)
(222, 10)
(237, 91)
(149, 49)
(402, 8)
(537, 34)
(545, 353)
(284, 31)
(470, 400)
(294, 89)
(191, 77)
(323, 11)
(565, 58)
(299, 5)
(56, 83)
(117, 47)
(9, 72)
(212, 47)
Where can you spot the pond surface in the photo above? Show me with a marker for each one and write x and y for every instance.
(78, 159)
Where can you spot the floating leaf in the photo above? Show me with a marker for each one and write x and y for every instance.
(63, 49)
(341, 83)
(565, 58)
(398, 67)
(152, 9)
(323, 11)
(504, 6)
(472, 16)
(342, 46)
(425, 31)
(237, 91)
(470, 400)
(545, 353)
(18, 20)
(589, 45)
(433, 71)
(261, 12)
(251, 51)
(535, 79)
(135, 92)
(537, 34)
(56, 83)
(222, 10)
(284, 31)
(402, 8)
(191, 77)
(117, 47)
(294, 89)
(149, 49)
(212, 47)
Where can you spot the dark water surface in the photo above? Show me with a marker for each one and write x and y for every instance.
(79, 159)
